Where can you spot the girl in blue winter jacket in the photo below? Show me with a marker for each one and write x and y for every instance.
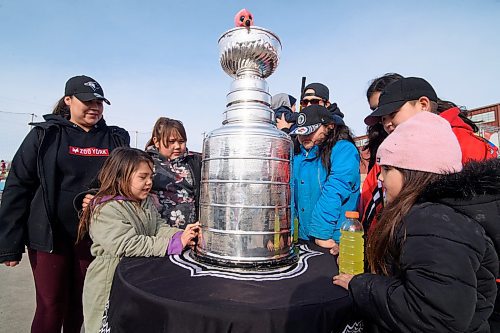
(326, 176)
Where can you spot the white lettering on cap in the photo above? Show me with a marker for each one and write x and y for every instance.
(92, 84)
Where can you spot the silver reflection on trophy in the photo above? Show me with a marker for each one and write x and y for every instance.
(245, 187)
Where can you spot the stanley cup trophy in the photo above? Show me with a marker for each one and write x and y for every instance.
(245, 188)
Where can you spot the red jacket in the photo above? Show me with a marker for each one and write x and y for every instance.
(473, 147)
(372, 198)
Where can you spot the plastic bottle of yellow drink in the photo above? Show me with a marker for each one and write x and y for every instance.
(351, 255)
(295, 230)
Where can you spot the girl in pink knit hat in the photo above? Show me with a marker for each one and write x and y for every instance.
(433, 253)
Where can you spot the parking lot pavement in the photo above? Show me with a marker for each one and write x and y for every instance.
(17, 297)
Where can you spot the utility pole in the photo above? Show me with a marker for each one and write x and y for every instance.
(30, 114)
(32, 118)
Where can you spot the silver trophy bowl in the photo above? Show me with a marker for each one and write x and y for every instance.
(255, 49)
(245, 187)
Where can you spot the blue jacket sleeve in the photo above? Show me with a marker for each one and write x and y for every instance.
(338, 187)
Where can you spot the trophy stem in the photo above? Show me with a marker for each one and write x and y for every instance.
(247, 72)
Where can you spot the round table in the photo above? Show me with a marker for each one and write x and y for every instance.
(159, 295)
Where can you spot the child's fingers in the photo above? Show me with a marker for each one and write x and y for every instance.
(192, 234)
(193, 226)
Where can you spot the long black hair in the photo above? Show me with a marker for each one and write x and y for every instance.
(443, 105)
(338, 132)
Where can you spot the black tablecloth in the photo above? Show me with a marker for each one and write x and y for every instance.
(156, 295)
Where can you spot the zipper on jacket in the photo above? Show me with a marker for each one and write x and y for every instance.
(196, 188)
(42, 184)
(319, 178)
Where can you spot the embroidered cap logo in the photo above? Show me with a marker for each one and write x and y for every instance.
(301, 120)
(92, 84)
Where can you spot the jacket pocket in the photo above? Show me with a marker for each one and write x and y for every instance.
(39, 228)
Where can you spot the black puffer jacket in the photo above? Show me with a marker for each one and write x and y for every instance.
(443, 276)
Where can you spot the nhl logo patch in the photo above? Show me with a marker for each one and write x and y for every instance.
(301, 120)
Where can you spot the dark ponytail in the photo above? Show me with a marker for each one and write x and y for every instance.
(61, 109)
(443, 105)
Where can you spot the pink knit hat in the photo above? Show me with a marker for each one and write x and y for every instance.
(425, 142)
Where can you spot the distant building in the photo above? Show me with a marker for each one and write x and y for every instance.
(487, 118)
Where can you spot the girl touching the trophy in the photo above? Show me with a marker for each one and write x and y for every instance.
(122, 221)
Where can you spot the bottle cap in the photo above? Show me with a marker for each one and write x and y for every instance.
(352, 215)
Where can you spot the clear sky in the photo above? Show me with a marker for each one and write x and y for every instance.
(160, 58)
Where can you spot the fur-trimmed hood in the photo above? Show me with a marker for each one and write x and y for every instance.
(477, 180)
(474, 192)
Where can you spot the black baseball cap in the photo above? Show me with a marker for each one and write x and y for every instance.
(397, 93)
(85, 89)
(312, 117)
(320, 90)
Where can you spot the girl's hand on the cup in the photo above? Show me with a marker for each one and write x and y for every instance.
(189, 234)
(343, 280)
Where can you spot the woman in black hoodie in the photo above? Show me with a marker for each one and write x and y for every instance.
(58, 159)
(432, 254)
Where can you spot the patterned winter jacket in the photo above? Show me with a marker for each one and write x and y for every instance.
(176, 186)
